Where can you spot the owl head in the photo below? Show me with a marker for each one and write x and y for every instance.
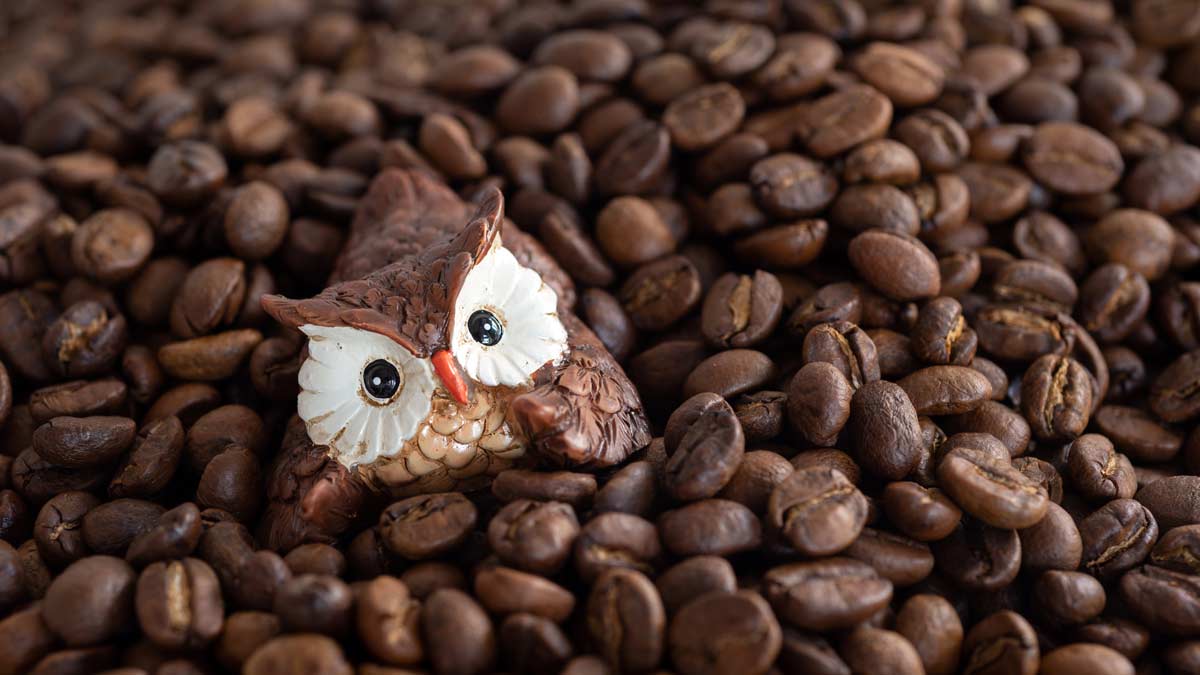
(410, 369)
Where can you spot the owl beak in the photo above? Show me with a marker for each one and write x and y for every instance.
(448, 371)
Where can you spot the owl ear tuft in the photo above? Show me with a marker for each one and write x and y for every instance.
(284, 310)
(479, 234)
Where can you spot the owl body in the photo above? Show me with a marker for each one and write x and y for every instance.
(444, 351)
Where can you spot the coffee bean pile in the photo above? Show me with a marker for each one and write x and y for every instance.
(908, 287)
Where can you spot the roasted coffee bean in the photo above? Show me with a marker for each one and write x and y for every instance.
(741, 625)
(844, 119)
(91, 601)
(710, 527)
(152, 461)
(761, 414)
(534, 536)
(1165, 601)
(707, 454)
(1068, 597)
(533, 644)
(946, 390)
(741, 311)
(817, 511)
(921, 513)
(979, 557)
(1165, 182)
(792, 186)
(1171, 394)
(1173, 500)
(1003, 642)
(701, 117)
(1177, 549)
(314, 603)
(616, 540)
(660, 293)
(626, 620)
(631, 232)
(503, 590)
(109, 528)
(930, 623)
(58, 529)
(211, 296)
(983, 482)
(1140, 240)
(294, 653)
(1083, 658)
(1056, 397)
(37, 480)
(898, 559)
(232, 481)
(427, 526)
(1009, 427)
(81, 398)
(174, 536)
(730, 373)
(826, 594)
(1113, 299)
(1117, 537)
(819, 399)
(1013, 332)
(1072, 159)
(1138, 433)
(576, 489)
(243, 634)
(179, 604)
(83, 442)
(1053, 543)
(692, 578)
(85, 340)
(870, 650)
(316, 559)
(847, 347)
(630, 490)
(941, 334)
(899, 267)
(883, 425)
(1098, 471)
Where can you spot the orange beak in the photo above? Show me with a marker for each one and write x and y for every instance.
(447, 370)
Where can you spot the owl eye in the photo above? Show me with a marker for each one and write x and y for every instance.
(381, 380)
(506, 323)
(485, 328)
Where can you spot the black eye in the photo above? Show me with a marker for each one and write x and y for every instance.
(381, 379)
(485, 327)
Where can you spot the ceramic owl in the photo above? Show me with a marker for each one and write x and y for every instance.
(444, 351)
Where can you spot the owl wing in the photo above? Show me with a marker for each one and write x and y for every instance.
(588, 413)
(310, 496)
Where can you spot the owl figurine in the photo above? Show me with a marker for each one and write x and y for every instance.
(444, 350)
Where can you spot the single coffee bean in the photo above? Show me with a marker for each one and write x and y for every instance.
(298, 653)
(1072, 159)
(742, 311)
(1137, 433)
(710, 527)
(761, 414)
(1163, 600)
(576, 489)
(36, 480)
(631, 232)
(1177, 549)
(112, 245)
(997, 419)
(921, 513)
(635, 160)
(1173, 500)
(660, 293)
(692, 578)
(843, 119)
(81, 398)
(179, 604)
(755, 479)
(533, 644)
(1054, 543)
(210, 357)
(1084, 658)
(898, 559)
(1113, 299)
(534, 536)
(930, 623)
(541, 100)
(740, 625)
(826, 594)
(730, 373)
(109, 528)
(1003, 642)
(210, 296)
(792, 186)
(630, 490)
(988, 487)
(87, 339)
(979, 557)
(941, 334)
(503, 590)
(895, 264)
(152, 461)
(819, 399)
(83, 442)
(388, 621)
(232, 481)
(1117, 537)
(946, 390)
(626, 620)
(1140, 240)
(91, 601)
(1173, 394)
(1069, 597)
(871, 650)
(707, 455)
(817, 511)
(314, 603)
(243, 634)
(843, 344)
(701, 117)
(58, 529)
(185, 172)
(1056, 397)
(427, 525)
(1098, 471)
(316, 559)
(174, 536)
(904, 75)
(1165, 182)
(883, 425)
(997, 192)
(616, 540)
